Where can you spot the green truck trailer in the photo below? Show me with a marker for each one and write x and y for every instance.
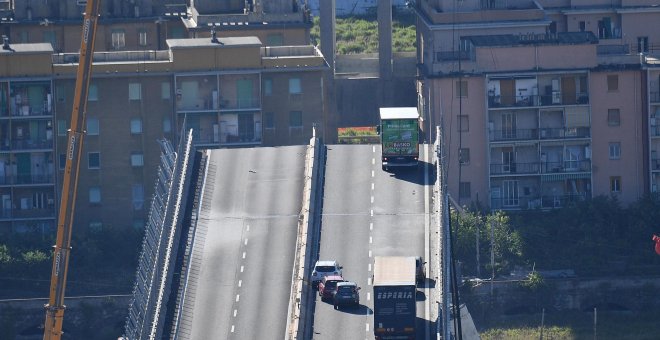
(399, 136)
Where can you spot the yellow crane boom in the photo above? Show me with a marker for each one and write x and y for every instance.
(61, 249)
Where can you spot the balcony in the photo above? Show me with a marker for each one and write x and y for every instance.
(655, 130)
(531, 168)
(565, 133)
(240, 103)
(539, 202)
(27, 179)
(655, 164)
(498, 101)
(29, 144)
(513, 134)
(654, 97)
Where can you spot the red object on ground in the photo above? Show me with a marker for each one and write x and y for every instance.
(657, 244)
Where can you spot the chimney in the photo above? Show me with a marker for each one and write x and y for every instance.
(5, 43)
(214, 35)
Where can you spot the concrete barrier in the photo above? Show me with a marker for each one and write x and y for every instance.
(297, 321)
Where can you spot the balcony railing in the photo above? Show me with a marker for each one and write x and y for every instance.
(655, 130)
(243, 103)
(514, 134)
(539, 202)
(655, 164)
(522, 168)
(27, 179)
(495, 101)
(654, 97)
(29, 144)
(544, 133)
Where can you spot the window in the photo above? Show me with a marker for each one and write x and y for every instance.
(134, 91)
(642, 44)
(464, 156)
(269, 120)
(615, 150)
(268, 87)
(62, 161)
(137, 159)
(93, 93)
(142, 38)
(62, 127)
(295, 119)
(615, 184)
(294, 86)
(612, 82)
(136, 125)
(274, 39)
(464, 190)
(92, 126)
(138, 196)
(167, 125)
(94, 160)
(95, 226)
(165, 90)
(49, 37)
(118, 39)
(463, 123)
(94, 195)
(461, 88)
(583, 26)
(613, 117)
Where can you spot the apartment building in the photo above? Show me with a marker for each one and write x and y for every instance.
(147, 24)
(230, 91)
(541, 103)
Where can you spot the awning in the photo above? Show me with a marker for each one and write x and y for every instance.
(562, 177)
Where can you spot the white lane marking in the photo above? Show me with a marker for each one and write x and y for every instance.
(237, 297)
(371, 226)
(243, 254)
(241, 269)
(240, 282)
(372, 173)
(248, 227)
(369, 253)
(373, 161)
(232, 328)
(372, 212)
(369, 269)
(372, 199)
(368, 296)
(373, 148)
(369, 282)
(246, 242)
(372, 186)
(367, 327)
(371, 239)
(235, 311)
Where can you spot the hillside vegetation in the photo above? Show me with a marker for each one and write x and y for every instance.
(356, 35)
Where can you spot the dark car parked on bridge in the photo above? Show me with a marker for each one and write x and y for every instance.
(346, 294)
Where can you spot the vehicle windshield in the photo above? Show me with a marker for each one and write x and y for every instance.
(331, 285)
(325, 269)
(345, 289)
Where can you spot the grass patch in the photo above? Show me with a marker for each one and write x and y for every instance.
(357, 131)
(356, 35)
(569, 325)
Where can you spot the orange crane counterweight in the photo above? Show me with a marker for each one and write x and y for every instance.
(61, 249)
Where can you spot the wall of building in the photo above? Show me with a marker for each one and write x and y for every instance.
(628, 100)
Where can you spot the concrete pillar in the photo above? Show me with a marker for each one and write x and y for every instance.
(385, 39)
(328, 37)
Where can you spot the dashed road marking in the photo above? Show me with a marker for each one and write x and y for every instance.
(367, 327)
(373, 161)
(237, 297)
(371, 240)
(368, 281)
(248, 227)
(240, 282)
(232, 328)
(372, 212)
(368, 296)
(372, 199)
(373, 148)
(235, 311)
(241, 269)
(246, 242)
(372, 186)
(243, 254)
(369, 253)
(372, 173)
(371, 226)
(369, 269)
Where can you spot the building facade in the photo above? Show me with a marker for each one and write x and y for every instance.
(542, 103)
(230, 91)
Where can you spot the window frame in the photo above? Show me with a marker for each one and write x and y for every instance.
(142, 37)
(461, 89)
(462, 188)
(615, 184)
(612, 83)
(132, 95)
(464, 156)
(613, 117)
(137, 159)
(460, 126)
(298, 114)
(269, 120)
(93, 192)
(136, 129)
(268, 86)
(295, 85)
(96, 155)
(614, 150)
(91, 125)
(118, 38)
